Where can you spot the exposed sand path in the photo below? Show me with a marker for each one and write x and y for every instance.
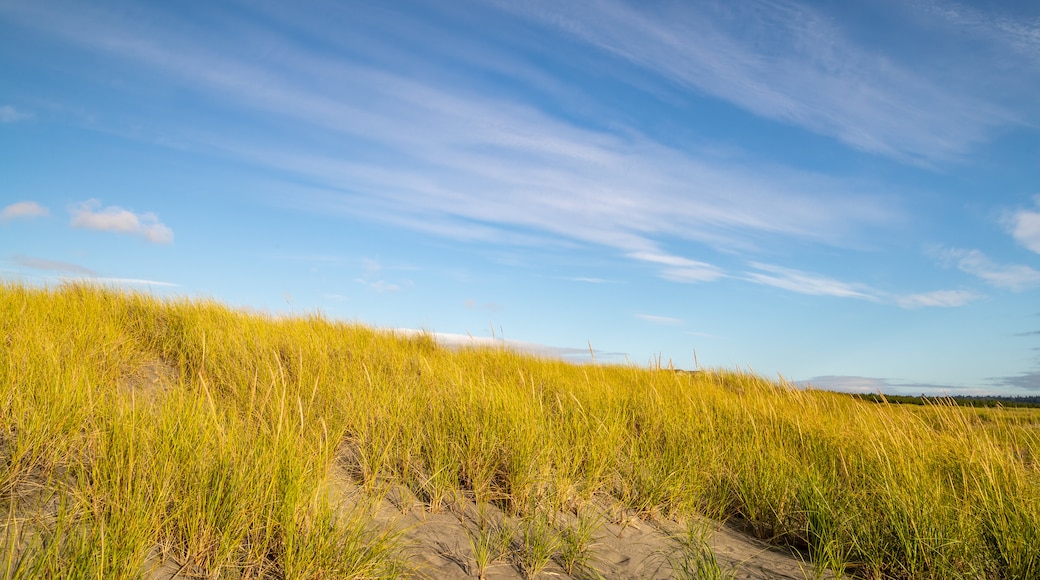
(623, 547)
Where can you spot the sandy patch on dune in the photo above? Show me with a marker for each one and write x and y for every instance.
(439, 543)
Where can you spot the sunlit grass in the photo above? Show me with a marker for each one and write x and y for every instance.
(137, 433)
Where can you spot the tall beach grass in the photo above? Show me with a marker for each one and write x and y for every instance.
(138, 433)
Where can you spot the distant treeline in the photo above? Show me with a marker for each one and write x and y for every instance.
(964, 400)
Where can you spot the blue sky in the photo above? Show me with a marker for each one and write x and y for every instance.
(845, 193)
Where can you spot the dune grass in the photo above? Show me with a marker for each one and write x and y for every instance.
(137, 433)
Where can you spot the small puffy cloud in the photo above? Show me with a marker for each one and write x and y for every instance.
(663, 320)
(23, 210)
(1009, 276)
(1025, 227)
(9, 114)
(938, 298)
(90, 215)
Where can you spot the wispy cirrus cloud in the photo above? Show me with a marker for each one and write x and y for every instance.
(793, 63)
(90, 215)
(490, 306)
(938, 298)
(1015, 277)
(662, 320)
(815, 284)
(51, 265)
(23, 210)
(808, 283)
(445, 159)
(133, 282)
(1021, 35)
(679, 269)
(9, 114)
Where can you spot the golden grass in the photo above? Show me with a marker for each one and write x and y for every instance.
(137, 433)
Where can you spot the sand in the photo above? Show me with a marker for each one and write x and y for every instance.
(625, 545)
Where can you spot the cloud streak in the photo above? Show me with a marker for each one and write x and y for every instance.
(9, 114)
(90, 215)
(23, 210)
(1012, 277)
(51, 265)
(662, 320)
(1025, 381)
(938, 298)
(808, 283)
(444, 159)
(791, 63)
(819, 285)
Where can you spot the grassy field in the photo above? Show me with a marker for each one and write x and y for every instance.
(135, 430)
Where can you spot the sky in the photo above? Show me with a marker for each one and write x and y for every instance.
(842, 194)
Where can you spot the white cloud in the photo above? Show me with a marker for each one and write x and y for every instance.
(680, 269)
(662, 320)
(478, 166)
(89, 215)
(51, 265)
(793, 63)
(133, 282)
(307, 258)
(808, 283)
(472, 304)
(938, 298)
(1025, 227)
(820, 285)
(381, 286)
(1012, 277)
(23, 210)
(1018, 34)
(9, 114)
